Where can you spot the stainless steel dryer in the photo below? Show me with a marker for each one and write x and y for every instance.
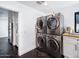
(41, 41)
(55, 24)
(54, 45)
(41, 24)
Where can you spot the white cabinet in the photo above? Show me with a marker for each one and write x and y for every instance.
(70, 47)
(78, 48)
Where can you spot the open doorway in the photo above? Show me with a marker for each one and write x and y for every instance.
(8, 33)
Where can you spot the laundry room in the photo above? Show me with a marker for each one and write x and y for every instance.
(39, 29)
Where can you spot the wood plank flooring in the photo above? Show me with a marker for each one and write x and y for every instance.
(6, 49)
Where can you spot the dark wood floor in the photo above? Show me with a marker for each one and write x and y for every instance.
(6, 49)
(35, 54)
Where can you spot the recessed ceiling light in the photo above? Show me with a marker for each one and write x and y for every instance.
(42, 3)
(39, 2)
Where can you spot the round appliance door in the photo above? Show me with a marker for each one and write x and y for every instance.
(53, 45)
(52, 23)
(40, 24)
(41, 42)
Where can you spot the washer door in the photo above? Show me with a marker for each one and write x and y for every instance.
(53, 45)
(52, 23)
(40, 24)
(41, 42)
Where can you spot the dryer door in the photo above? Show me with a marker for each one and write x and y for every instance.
(53, 45)
(52, 23)
(41, 42)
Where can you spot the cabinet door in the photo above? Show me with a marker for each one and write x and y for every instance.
(78, 48)
(69, 47)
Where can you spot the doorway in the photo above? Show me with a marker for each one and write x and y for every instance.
(9, 32)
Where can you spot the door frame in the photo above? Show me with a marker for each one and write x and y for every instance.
(12, 25)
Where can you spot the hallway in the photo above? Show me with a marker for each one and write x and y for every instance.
(6, 49)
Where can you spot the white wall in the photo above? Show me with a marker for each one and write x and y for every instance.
(68, 13)
(27, 20)
(3, 24)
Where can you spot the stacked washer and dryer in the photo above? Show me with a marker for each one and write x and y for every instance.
(49, 34)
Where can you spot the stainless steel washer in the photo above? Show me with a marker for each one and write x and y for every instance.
(55, 24)
(54, 45)
(41, 25)
(41, 41)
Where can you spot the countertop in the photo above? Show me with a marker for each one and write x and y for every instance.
(71, 35)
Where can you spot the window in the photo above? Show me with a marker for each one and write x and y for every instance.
(77, 22)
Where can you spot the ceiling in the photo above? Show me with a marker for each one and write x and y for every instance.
(52, 5)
